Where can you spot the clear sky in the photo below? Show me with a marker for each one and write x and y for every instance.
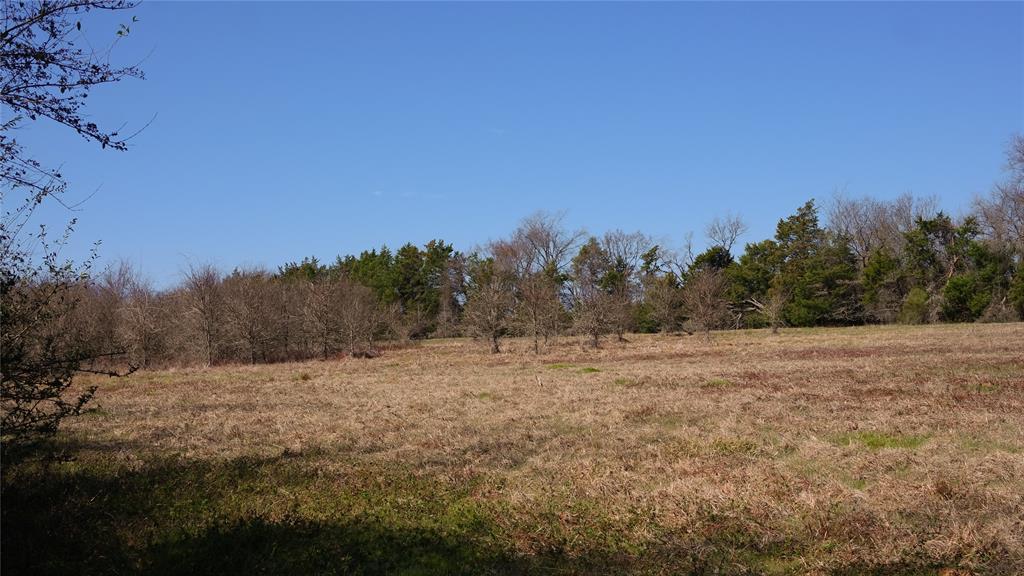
(286, 129)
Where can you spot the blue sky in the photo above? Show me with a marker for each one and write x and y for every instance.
(286, 129)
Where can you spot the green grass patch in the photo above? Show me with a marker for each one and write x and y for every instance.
(560, 366)
(589, 370)
(718, 383)
(734, 446)
(878, 440)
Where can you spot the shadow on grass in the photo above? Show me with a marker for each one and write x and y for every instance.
(92, 514)
(244, 516)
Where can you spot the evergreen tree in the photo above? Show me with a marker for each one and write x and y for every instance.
(816, 271)
(884, 286)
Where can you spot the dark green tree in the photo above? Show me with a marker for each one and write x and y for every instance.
(1015, 295)
(372, 269)
(308, 269)
(815, 270)
(884, 286)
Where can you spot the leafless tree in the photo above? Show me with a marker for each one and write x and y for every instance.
(772, 307)
(724, 231)
(358, 316)
(704, 299)
(320, 320)
(550, 244)
(539, 254)
(249, 320)
(593, 302)
(142, 321)
(625, 251)
(97, 314)
(628, 248)
(488, 312)
(490, 302)
(1001, 214)
(871, 224)
(205, 305)
(538, 308)
(289, 299)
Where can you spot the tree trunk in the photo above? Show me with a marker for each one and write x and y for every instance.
(494, 345)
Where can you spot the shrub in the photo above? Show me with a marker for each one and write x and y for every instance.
(964, 299)
(915, 307)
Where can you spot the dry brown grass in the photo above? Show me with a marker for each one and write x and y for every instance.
(813, 451)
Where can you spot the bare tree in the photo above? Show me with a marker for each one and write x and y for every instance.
(40, 347)
(98, 310)
(320, 321)
(725, 231)
(625, 252)
(704, 299)
(490, 303)
(205, 305)
(289, 298)
(358, 315)
(544, 248)
(249, 323)
(772, 307)
(593, 302)
(43, 74)
(142, 322)
(538, 306)
(1001, 214)
(871, 224)
(550, 243)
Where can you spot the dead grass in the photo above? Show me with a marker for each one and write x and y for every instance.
(874, 449)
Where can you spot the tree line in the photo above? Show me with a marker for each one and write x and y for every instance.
(873, 261)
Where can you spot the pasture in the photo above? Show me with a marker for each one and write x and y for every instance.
(885, 450)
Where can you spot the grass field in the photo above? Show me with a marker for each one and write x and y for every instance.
(825, 451)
